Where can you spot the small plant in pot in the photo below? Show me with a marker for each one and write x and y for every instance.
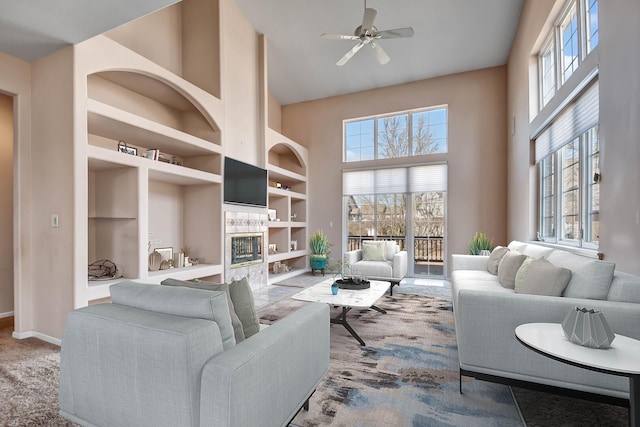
(320, 247)
(480, 244)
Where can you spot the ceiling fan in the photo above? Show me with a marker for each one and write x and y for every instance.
(368, 34)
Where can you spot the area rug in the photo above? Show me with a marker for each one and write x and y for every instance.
(406, 375)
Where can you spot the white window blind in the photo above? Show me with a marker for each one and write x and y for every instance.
(395, 180)
(578, 117)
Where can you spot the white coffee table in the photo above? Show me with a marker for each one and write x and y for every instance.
(622, 358)
(346, 298)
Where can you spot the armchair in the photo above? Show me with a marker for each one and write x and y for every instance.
(166, 356)
(378, 260)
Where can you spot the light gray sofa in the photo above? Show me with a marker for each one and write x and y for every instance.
(166, 356)
(486, 315)
(389, 266)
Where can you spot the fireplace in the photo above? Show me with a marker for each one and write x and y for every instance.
(246, 249)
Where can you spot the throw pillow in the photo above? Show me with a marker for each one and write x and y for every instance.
(373, 251)
(590, 278)
(494, 259)
(508, 267)
(540, 277)
(208, 286)
(245, 306)
(390, 249)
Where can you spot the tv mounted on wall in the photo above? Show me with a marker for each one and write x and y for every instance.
(244, 184)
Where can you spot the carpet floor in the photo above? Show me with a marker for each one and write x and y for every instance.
(406, 375)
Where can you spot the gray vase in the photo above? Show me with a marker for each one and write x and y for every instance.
(588, 328)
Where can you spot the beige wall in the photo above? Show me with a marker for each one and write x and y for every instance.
(619, 65)
(476, 158)
(52, 161)
(6, 204)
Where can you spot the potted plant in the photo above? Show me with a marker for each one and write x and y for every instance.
(320, 247)
(480, 244)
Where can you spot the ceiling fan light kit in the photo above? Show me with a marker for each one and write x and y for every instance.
(368, 34)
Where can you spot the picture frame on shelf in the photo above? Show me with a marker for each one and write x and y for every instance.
(124, 148)
(167, 253)
(272, 214)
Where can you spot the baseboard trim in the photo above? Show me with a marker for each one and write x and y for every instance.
(35, 334)
(7, 314)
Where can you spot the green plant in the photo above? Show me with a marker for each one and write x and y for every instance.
(480, 242)
(318, 243)
(341, 268)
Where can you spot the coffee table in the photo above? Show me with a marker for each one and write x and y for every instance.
(346, 298)
(622, 358)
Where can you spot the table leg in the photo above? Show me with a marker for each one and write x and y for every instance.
(342, 320)
(378, 309)
(634, 401)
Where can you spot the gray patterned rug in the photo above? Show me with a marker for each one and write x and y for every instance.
(407, 375)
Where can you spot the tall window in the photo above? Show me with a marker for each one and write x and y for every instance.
(568, 155)
(413, 133)
(573, 37)
(569, 53)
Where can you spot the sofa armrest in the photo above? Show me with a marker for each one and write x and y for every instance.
(400, 265)
(265, 379)
(352, 257)
(469, 262)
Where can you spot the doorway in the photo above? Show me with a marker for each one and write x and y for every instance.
(6, 206)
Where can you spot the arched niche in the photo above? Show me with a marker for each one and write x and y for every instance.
(154, 99)
(287, 157)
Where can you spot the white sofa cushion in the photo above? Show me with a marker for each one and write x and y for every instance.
(625, 287)
(390, 249)
(508, 267)
(535, 251)
(494, 259)
(540, 277)
(373, 268)
(590, 278)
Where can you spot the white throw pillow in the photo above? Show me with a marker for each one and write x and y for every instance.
(373, 251)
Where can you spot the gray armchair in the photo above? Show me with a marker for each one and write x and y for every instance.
(378, 260)
(166, 356)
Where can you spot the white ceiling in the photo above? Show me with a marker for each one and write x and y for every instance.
(450, 36)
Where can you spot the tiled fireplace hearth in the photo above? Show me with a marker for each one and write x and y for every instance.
(245, 248)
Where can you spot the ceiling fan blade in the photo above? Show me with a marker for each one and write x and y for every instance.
(381, 55)
(367, 20)
(339, 37)
(396, 33)
(347, 56)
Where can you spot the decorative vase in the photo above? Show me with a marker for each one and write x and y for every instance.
(334, 288)
(588, 328)
(318, 262)
(155, 260)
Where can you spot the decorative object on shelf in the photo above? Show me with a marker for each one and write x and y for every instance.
(155, 260)
(279, 267)
(187, 259)
(278, 185)
(320, 248)
(294, 217)
(335, 288)
(153, 154)
(176, 161)
(273, 248)
(166, 253)
(103, 269)
(124, 148)
(294, 245)
(272, 214)
(588, 328)
(165, 265)
(194, 261)
(178, 259)
(480, 242)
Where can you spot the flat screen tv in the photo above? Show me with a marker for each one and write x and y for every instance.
(244, 184)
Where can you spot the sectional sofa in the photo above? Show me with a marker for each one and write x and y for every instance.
(490, 302)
